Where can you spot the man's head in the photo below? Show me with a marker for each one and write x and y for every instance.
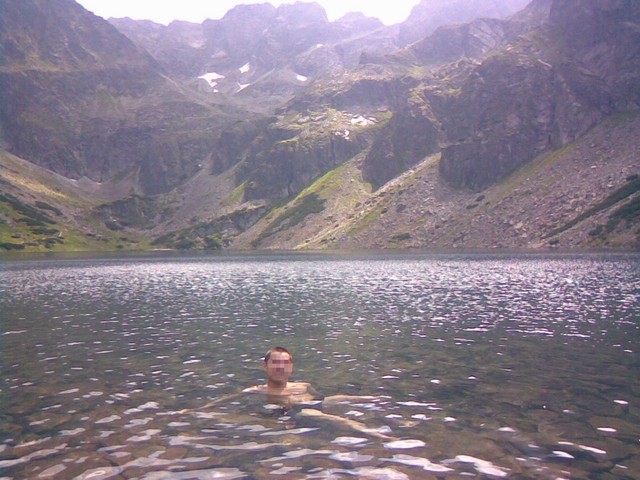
(278, 363)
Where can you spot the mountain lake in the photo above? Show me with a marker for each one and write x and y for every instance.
(522, 366)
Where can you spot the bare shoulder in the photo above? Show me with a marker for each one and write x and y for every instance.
(256, 389)
(298, 387)
(298, 384)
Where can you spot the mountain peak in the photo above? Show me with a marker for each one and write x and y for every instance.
(61, 35)
(302, 12)
(250, 11)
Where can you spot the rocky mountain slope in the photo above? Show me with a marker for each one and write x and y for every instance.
(515, 132)
(583, 196)
(427, 17)
(82, 100)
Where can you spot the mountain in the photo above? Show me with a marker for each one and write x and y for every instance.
(82, 100)
(274, 51)
(275, 128)
(545, 90)
(429, 15)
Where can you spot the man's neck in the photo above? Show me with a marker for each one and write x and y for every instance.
(271, 385)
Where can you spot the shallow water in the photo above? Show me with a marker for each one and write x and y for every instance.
(480, 366)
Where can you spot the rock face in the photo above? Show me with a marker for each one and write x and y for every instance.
(475, 39)
(50, 68)
(284, 159)
(82, 100)
(432, 115)
(604, 37)
(540, 107)
(537, 95)
(428, 15)
(412, 134)
(268, 55)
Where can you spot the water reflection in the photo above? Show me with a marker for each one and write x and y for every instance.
(503, 366)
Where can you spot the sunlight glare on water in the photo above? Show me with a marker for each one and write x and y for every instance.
(494, 365)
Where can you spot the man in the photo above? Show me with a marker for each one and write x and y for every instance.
(278, 363)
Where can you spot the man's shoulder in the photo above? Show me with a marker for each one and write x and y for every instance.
(255, 389)
(298, 387)
(295, 389)
(298, 384)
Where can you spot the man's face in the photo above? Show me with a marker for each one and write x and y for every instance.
(279, 367)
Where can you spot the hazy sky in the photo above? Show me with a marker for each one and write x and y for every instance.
(164, 11)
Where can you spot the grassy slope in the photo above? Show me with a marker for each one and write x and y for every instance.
(41, 211)
(315, 215)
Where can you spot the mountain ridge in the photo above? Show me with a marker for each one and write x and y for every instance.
(380, 146)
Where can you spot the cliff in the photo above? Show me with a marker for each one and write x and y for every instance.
(82, 100)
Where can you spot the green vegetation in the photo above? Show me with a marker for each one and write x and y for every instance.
(213, 242)
(289, 142)
(192, 238)
(327, 191)
(324, 182)
(107, 101)
(629, 212)
(46, 206)
(29, 228)
(528, 169)
(30, 214)
(236, 196)
(301, 208)
(621, 118)
(400, 237)
(12, 246)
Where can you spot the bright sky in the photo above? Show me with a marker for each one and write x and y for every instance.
(164, 11)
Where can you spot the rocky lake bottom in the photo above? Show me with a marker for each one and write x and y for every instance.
(450, 366)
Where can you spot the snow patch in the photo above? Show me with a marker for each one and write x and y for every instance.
(211, 78)
(301, 78)
(245, 68)
(363, 121)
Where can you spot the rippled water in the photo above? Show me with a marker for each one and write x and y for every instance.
(486, 366)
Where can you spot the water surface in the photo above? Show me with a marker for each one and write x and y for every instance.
(490, 366)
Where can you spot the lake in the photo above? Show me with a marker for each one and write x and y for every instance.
(460, 366)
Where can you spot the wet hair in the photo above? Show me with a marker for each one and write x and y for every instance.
(277, 349)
